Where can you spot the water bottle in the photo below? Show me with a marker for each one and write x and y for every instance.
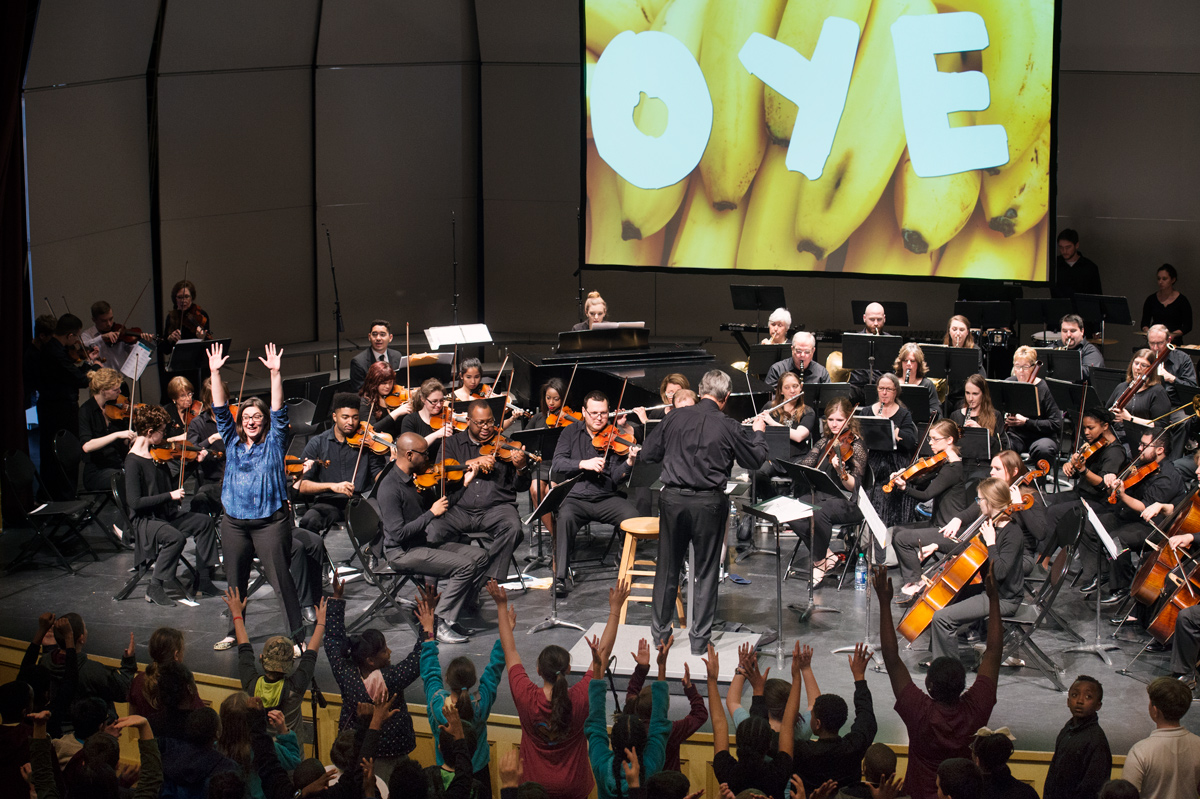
(860, 573)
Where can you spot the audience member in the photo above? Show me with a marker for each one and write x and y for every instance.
(769, 696)
(991, 751)
(88, 717)
(177, 698)
(878, 769)
(1082, 761)
(166, 645)
(1119, 789)
(233, 740)
(959, 778)
(97, 780)
(16, 702)
(92, 678)
(1167, 763)
(832, 756)
(454, 777)
(639, 701)
(191, 762)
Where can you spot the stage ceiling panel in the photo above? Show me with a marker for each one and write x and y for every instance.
(77, 41)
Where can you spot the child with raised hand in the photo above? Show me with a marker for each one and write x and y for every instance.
(631, 742)
(460, 678)
(639, 701)
(279, 689)
(101, 778)
(833, 756)
(769, 695)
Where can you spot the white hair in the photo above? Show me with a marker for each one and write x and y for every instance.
(780, 315)
(805, 337)
(716, 384)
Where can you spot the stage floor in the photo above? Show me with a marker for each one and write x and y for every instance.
(1028, 704)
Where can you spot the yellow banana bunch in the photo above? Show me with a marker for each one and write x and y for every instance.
(1018, 196)
(653, 8)
(767, 241)
(589, 65)
(604, 19)
(647, 211)
(874, 248)
(604, 244)
(739, 137)
(800, 28)
(869, 140)
(706, 237)
(979, 251)
(1041, 261)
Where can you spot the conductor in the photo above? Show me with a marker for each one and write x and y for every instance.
(697, 446)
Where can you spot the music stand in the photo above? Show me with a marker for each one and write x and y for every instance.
(862, 351)
(757, 299)
(894, 313)
(780, 511)
(975, 443)
(551, 505)
(1103, 307)
(323, 407)
(541, 441)
(1105, 380)
(192, 355)
(878, 433)
(810, 479)
(915, 398)
(953, 364)
(1073, 396)
(1046, 312)
(1010, 398)
(305, 386)
(1061, 364)
(763, 356)
(819, 395)
(1099, 648)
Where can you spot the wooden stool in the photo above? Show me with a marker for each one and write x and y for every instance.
(637, 529)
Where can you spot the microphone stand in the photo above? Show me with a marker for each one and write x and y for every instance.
(337, 312)
(454, 266)
(317, 699)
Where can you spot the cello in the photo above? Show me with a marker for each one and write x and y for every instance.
(1151, 576)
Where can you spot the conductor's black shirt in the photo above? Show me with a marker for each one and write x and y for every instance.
(698, 444)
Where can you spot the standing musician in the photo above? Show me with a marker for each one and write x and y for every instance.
(338, 470)
(58, 379)
(1107, 457)
(1036, 437)
(550, 401)
(804, 346)
(107, 340)
(258, 517)
(594, 496)
(428, 401)
(1149, 403)
(833, 510)
(910, 366)
(1167, 306)
(697, 447)
(1163, 486)
(381, 339)
(976, 411)
(595, 309)
(874, 319)
(105, 441)
(1005, 543)
(895, 508)
(376, 387)
(778, 324)
(186, 320)
(1186, 641)
(405, 517)
(489, 504)
(160, 525)
(43, 331)
(1177, 368)
(210, 472)
(1071, 328)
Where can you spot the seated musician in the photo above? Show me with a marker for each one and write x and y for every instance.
(105, 441)
(594, 496)
(210, 472)
(958, 334)
(804, 346)
(1163, 486)
(1185, 643)
(380, 350)
(1036, 437)
(107, 340)
(595, 309)
(789, 410)
(778, 324)
(1176, 368)
(489, 504)
(180, 392)
(472, 387)
(338, 470)
(1073, 338)
(833, 509)
(372, 405)
(910, 366)
(550, 401)
(161, 528)
(428, 401)
(896, 507)
(1148, 404)
(667, 389)
(186, 319)
(405, 516)
(1004, 540)
(976, 411)
(1106, 457)
(874, 319)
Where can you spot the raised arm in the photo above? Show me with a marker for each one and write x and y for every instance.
(716, 712)
(787, 725)
(897, 671)
(616, 598)
(217, 359)
(507, 620)
(810, 679)
(237, 611)
(271, 361)
(733, 697)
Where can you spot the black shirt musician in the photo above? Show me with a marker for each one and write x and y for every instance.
(804, 347)
(600, 470)
(338, 470)
(104, 441)
(1071, 328)
(697, 446)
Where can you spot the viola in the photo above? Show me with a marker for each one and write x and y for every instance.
(503, 448)
(564, 417)
(1086, 451)
(191, 412)
(398, 397)
(379, 443)
(293, 464)
(844, 442)
(117, 409)
(448, 468)
(196, 319)
(128, 335)
(1136, 477)
(917, 471)
(612, 438)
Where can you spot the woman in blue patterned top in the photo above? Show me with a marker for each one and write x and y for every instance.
(257, 518)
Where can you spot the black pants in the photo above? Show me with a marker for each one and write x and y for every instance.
(950, 619)
(308, 555)
(1127, 535)
(577, 511)
(98, 479)
(167, 537)
(1186, 641)
(271, 540)
(833, 510)
(908, 541)
(1038, 448)
(697, 518)
(458, 569)
(501, 524)
(320, 516)
(207, 498)
(1063, 514)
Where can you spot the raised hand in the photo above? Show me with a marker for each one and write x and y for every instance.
(216, 357)
(745, 652)
(805, 657)
(889, 788)
(453, 723)
(664, 649)
(631, 768)
(712, 663)
(509, 618)
(45, 624)
(63, 632)
(512, 769)
(598, 659)
(382, 710)
(368, 770)
(687, 676)
(642, 656)
(273, 356)
(321, 607)
(429, 594)
(235, 601)
(425, 613)
(276, 721)
(498, 594)
(798, 664)
(339, 587)
(617, 596)
(858, 661)
(756, 678)
(129, 650)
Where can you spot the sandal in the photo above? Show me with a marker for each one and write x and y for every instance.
(225, 643)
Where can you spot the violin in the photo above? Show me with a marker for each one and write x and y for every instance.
(921, 469)
(175, 451)
(450, 468)
(128, 335)
(564, 417)
(483, 392)
(294, 465)
(446, 417)
(503, 448)
(118, 409)
(1133, 479)
(1086, 451)
(398, 397)
(611, 438)
(196, 319)
(191, 412)
(379, 443)
(844, 441)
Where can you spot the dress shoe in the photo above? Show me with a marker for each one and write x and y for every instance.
(156, 593)
(925, 664)
(562, 588)
(1158, 646)
(1117, 621)
(1115, 597)
(1090, 586)
(446, 635)
(207, 588)
(309, 613)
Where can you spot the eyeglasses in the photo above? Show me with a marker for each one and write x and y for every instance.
(1022, 367)
(882, 389)
(438, 401)
(596, 414)
(484, 423)
(421, 452)
(939, 438)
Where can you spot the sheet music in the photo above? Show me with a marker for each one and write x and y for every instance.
(457, 334)
(878, 528)
(786, 509)
(1109, 544)
(138, 360)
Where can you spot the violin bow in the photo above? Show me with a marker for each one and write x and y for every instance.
(503, 364)
(366, 431)
(242, 387)
(1079, 424)
(51, 307)
(407, 361)
(608, 446)
(563, 408)
(132, 394)
(922, 444)
(133, 307)
(833, 439)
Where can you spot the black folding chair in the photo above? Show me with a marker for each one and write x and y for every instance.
(69, 453)
(54, 523)
(145, 556)
(1032, 616)
(363, 525)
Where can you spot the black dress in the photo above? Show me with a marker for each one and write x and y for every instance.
(1176, 316)
(897, 507)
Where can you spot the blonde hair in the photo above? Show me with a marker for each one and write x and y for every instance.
(969, 341)
(103, 380)
(1026, 354)
(179, 386)
(995, 493)
(592, 298)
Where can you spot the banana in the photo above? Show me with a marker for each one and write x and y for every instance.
(603, 231)
(647, 211)
(930, 211)
(739, 137)
(604, 19)
(1041, 261)
(589, 64)
(1018, 196)
(767, 241)
(876, 247)
(799, 28)
(1019, 65)
(653, 8)
(869, 140)
(706, 238)
(980, 252)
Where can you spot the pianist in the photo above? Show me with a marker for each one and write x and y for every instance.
(804, 346)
